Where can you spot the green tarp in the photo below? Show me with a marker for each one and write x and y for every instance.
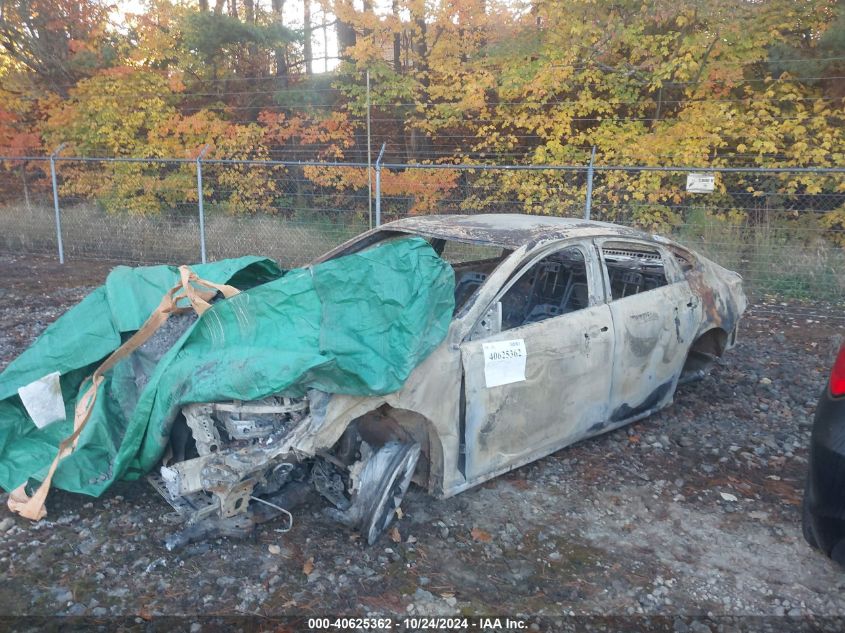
(354, 325)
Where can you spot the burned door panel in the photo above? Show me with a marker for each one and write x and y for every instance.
(564, 393)
(555, 349)
(655, 317)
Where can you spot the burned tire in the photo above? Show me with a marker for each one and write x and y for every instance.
(399, 462)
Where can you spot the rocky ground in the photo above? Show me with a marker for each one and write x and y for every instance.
(694, 511)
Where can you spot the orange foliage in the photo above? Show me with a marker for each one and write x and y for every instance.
(426, 187)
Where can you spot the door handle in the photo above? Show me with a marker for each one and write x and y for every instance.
(596, 331)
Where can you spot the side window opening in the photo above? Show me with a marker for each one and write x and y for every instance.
(555, 285)
(633, 268)
(472, 264)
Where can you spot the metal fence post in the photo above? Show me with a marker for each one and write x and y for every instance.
(589, 203)
(369, 157)
(378, 184)
(56, 202)
(200, 202)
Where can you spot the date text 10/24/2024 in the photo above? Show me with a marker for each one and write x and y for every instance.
(419, 623)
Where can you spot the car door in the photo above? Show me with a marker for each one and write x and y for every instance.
(655, 316)
(537, 365)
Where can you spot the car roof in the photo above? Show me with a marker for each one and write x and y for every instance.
(511, 230)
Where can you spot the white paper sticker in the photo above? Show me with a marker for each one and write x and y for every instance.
(43, 400)
(504, 362)
(701, 183)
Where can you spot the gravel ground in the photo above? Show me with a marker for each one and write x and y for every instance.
(694, 511)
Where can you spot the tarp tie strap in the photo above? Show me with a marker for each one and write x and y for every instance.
(189, 288)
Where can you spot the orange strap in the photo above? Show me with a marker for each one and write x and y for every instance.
(33, 508)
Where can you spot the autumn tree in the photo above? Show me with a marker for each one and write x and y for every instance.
(54, 43)
(714, 82)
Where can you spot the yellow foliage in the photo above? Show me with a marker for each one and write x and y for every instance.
(656, 83)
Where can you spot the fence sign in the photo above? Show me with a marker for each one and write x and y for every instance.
(701, 183)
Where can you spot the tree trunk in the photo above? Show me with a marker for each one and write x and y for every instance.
(252, 48)
(421, 48)
(482, 42)
(368, 8)
(280, 53)
(420, 143)
(218, 6)
(307, 50)
(397, 39)
(346, 37)
(204, 6)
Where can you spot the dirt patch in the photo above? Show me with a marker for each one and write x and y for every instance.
(627, 523)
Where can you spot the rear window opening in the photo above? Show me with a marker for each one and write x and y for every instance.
(633, 268)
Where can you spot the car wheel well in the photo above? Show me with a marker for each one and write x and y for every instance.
(703, 353)
(386, 424)
(714, 341)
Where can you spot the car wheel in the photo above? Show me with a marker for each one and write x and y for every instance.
(807, 517)
(393, 485)
(837, 554)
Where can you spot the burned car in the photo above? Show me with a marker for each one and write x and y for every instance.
(561, 329)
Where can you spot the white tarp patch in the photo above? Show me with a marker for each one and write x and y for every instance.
(504, 362)
(43, 400)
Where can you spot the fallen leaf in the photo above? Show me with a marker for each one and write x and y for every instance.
(274, 549)
(395, 536)
(411, 540)
(480, 535)
(521, 484)
(727, 496)
(308, 567)
(399, 513)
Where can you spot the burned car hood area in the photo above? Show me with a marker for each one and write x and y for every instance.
(355, 325)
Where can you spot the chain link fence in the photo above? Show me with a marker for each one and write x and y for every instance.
(783, 229)
(148, 211)
(27, 215)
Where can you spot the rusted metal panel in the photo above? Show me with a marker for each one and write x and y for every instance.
(720, 291)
